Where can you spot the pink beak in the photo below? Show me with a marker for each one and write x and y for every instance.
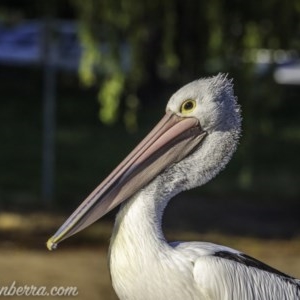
(171, 140)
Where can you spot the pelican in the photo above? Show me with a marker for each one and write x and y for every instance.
(189, 146)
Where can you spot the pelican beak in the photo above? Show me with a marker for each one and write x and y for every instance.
(172, 139)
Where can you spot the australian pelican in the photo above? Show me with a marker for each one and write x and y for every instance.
(189, 146)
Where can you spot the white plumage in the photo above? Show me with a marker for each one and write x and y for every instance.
(191, 144)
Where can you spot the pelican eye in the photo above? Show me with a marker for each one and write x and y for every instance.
(188, 106)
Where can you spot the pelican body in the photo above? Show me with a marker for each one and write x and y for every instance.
(190, 145)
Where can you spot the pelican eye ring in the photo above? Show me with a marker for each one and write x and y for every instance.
(188, 106)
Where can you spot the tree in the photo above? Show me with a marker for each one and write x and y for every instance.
(130, 42)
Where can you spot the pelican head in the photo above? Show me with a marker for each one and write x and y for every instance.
(190, 145)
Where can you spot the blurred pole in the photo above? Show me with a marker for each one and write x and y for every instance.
(49, 105)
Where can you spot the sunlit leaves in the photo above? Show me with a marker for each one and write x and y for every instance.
(90, 56)
(173, 40)
(109, 98)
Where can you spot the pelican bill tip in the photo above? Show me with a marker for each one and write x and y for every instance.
(51, 245)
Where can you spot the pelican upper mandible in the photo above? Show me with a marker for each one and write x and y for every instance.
(189, 146)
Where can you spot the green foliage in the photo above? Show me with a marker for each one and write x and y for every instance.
(109, 96)
(105, 28)
(167, 38)
(90, 57)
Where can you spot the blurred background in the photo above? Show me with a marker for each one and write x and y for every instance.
(81, 82)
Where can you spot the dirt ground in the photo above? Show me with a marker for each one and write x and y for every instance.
(86, 269)
(81, 261)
